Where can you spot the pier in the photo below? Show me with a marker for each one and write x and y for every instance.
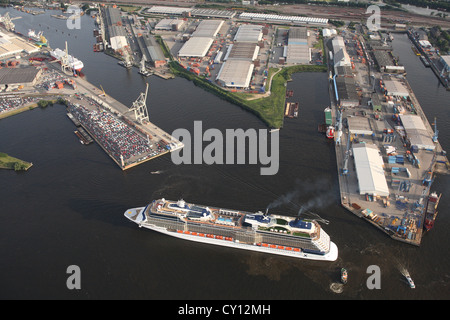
(384, 177)
(154, 141)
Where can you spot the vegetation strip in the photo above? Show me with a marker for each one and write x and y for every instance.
(270, 109)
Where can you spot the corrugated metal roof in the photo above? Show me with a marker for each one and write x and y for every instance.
(18, 75)
(369, 169)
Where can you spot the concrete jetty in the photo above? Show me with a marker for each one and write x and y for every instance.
(370, 122)
(92, 98)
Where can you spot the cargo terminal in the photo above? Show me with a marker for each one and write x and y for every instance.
(387, 153)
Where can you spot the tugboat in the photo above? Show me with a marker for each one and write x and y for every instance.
(344, 275)
(330, 132)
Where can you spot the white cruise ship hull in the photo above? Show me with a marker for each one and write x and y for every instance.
(330, 256)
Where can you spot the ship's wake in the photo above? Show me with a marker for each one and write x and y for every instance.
(337, 287)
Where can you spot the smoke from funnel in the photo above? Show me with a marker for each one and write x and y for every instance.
(320, 191)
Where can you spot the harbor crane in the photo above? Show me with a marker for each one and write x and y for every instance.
(140, 107)
(7, 22)
(436, 131)
(347, 154)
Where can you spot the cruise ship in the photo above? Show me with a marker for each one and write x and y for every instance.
(74, 63)
(260, 232)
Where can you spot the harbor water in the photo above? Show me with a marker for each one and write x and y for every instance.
(68, 208)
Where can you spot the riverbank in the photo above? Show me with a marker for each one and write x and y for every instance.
(11, 163)
(269, 108)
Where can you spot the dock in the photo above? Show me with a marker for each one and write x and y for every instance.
(291, 110)
(150, 140)
(372, 133)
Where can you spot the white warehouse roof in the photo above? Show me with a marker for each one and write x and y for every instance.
(208, 28)
(249, 33)
(416, 131)
(236, 73)
(369, 169)
(289, 19)
(196, 47)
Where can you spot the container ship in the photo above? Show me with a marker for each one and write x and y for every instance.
(74, 63)
(259, 232)
(431, 210)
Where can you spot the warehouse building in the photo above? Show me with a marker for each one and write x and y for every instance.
(445, 60)
(235, 74)
(416, 132)
(27, 76)
(275, 18)
(359, 126)
(208, 28)
(169, 24)
(345, 90)
(242, 51)
(115, 30)
(369, 170)
(386, 63)
(395, 88)
(117, 37)
(153, 52)
(190, 12)
(249, 33)
(298, 51)
(340, 57)
(196, 47)
(11, 45)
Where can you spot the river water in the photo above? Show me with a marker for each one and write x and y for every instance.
(68, 208)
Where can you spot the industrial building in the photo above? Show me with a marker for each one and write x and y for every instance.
(10, 46)
(386, 63)
(169, 24)
(116, 33)
(152, 51)
(395, 88)
(345, 90)
(27, 76)
(249, 33)
(208, 28)
(196, 47)
(235, 73)
(340, 54)
(190, 12)
(369, 170)
(201, 40)
(445, 60)
(359, 126)
(117, 37)
(298, 51)
(416, 133)
(274, 18)
(242, 51)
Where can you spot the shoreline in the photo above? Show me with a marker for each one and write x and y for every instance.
(11, 163)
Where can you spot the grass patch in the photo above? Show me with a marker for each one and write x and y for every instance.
(269, 109)
(8, 162)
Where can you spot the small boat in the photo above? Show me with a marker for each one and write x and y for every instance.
(156, 172)
(330, 132)
(410, 282)
(414, 49)
(344, 275)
